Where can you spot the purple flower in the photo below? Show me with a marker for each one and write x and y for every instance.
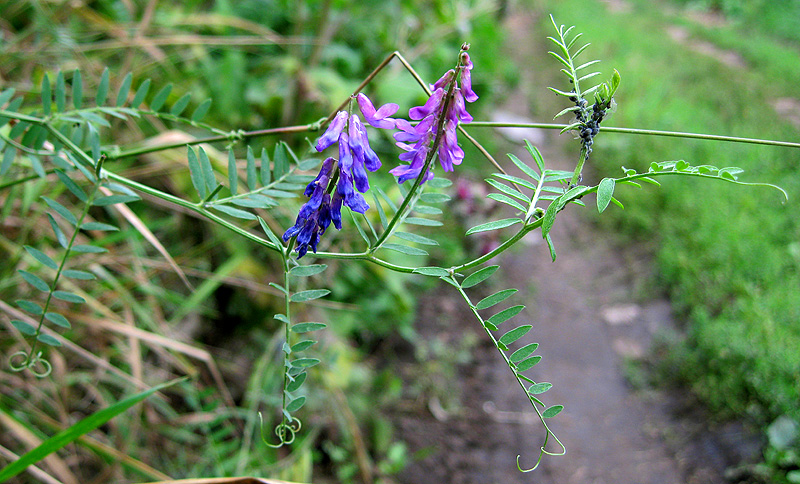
(418, 140)
(332, 133)
(315, 215)
(377, 118)
(355, 157)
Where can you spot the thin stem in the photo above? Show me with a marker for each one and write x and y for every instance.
(648, 132)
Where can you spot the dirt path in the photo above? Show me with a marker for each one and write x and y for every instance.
(587, 323)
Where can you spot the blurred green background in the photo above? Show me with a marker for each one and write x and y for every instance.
(727, 257)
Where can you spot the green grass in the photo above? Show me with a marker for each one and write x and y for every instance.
(727, 256)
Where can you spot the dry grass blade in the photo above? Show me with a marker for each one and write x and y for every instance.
(141, 227)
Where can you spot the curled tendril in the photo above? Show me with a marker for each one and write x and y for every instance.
(29, 362)
(286, 431)
(542, 450)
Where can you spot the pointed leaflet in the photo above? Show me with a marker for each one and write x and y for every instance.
(235, 212)
(72, 186)
(281, 159)
(411, 237)
(508, 190)
(525, 168)
(68, 297)
(309, 295)
(23, 327)
(295, 404)
(160, 97)
(404, 249)
(61, 210)
(266, 174)
(62, 239)
(34, 280)
(552, 411)
(61, 92)
(538, 388)
(495, 298)
(77, 89)
(208, 171)
(47, 96)
(505, 315)
(252, 183)
(196, 173)
(497, 224)
(479, 276)
(41, 257)
(200, 111)
(432, 271)
(305, 271)
(124, 89)
(180, 105)
(102, 88)
(141, 93)
(307, 327)
(48, 340)
(605, 191)
(58, 320)
(295, 385)
(515, 334)
(8, 159)
(76, 274)
(72, 433)
(523, 352)
(233, 176)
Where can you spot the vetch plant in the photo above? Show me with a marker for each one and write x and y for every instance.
(70, 145)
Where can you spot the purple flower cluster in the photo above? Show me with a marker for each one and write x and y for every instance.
(355, 157)
(418, 140)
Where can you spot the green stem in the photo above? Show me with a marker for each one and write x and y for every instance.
(648, 132)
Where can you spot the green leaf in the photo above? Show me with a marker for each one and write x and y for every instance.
(254, 201)
(114, 199)
(61, 210)
(141, 93)
(77, 89)
(539, 388)
(72, 433)
(252, 178)
(296, 404)
(434, 198)
(47, 96)
(605, 190)
(529, 363)
(62, 239)
(415, 238)
(515, 334)
(200, 111)
(495, 298)
(124, 89)
(305, 271)
(34, 281)
(72, 186)
(302, 346)
(309, 295)
(61, 92)
(180, 105)
(524, 167)
(102, 88)
(439, 183)
(307, 327)
(523, 352)
(295, 385)
(235, 212)
(99, 226)
(208, 171)
(280, 159)
(161, 97)
(196, 173)
(495, 225)
(479, 276)
(536, 155)
(266, 173)
(507, 200)
(280, 317)
(432, 271)
(69, 297)
(36, 164)
(508, 190)
(23, 327)
(48, 340)
(270, 234)
(552, 411)
(29, 306)
(305, 362)
(549, 217)
(41, 257)
(506, 314)
(76, 274)
(6, 95)
(514, 179)
(405, 249)
(88, 249)
(551, 247)
(8, 158)
(58, 320)
(233, 175)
